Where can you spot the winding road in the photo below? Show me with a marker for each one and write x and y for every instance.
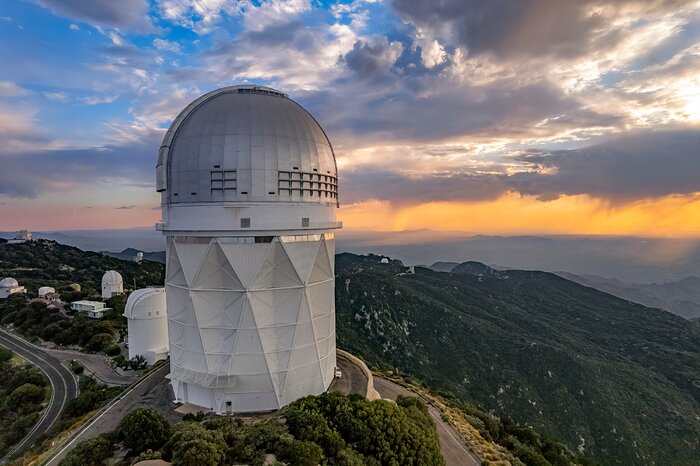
(451, 445)
(63, 386)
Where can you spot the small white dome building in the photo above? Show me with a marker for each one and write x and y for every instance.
(147, 322)
(112, 284)
(45, 290)
(10, 286)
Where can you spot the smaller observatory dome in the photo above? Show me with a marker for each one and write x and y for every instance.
(8, 282)
(147, 323)
(44, 290)
(112, 284)
(147, 303)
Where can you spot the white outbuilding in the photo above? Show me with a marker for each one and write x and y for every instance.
(112, 284)
(147, 324)
(45, 290)
(10, 286)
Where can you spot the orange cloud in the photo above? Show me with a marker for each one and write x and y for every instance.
(671, 216)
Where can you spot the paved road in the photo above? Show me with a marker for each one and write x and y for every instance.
(108, 419)
(352, 381)
(95, 364)
(451, 445)
(63, 385)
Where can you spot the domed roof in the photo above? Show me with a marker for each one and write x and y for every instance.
(8, 282)
(243, 144)
(112, 277)
(44, 290)
(146, 303)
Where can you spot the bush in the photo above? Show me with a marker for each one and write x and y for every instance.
(24, 396)
(144, 428)
(93, 452)
(5, 355)
(100, 342)
(113, 350)
(76, 367)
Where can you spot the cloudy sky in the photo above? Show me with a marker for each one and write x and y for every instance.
(498, 117)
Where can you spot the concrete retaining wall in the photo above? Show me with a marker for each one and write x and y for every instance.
(371, 394)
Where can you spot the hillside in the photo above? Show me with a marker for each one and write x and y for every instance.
(681, 297)
(614, 380)
(128, 254)
(45, 262)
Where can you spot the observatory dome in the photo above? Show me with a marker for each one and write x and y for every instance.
(8, 283)
(146, 303)
(147, 324)
(243, 146)
(44, 290)
(112, 284)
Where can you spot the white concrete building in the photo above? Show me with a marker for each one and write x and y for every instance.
(112, 284)
(10, 286)
(138, 257)
(94, 309)
(147, 324)
(249, 195)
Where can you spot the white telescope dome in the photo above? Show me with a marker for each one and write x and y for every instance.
(112, 284)
(245, 146)
(146, 303)
(8, 283)
(147, 324)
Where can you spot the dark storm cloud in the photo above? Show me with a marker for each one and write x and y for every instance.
(30, 174)
(399, 189)
(561, 28)
(131, 15)
(627, 168)
(634, 166)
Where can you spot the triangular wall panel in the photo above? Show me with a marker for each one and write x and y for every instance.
(302, 255)
(191, 256)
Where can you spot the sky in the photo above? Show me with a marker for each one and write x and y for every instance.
(501, 117)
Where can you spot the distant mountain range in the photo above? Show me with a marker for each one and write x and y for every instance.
(630, 259)
(680, 297)
(129, 253)
(614, 380)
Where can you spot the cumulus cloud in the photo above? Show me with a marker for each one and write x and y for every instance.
(531, 27)
(131, 15)
(162, 44)
(371, 57)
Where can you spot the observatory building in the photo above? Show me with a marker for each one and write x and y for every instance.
(147, 324)
(10, 286)
(112, 284)
(249, 195)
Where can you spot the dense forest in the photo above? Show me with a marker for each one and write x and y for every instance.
(330, 429)
(616, 381)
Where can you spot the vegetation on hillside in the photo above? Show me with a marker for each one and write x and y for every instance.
(48, 263)
(617, 382)
(329, 429)
(23, 390)
(35, 320)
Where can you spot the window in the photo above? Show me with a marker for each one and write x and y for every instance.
(245, 223)
(305, 222)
